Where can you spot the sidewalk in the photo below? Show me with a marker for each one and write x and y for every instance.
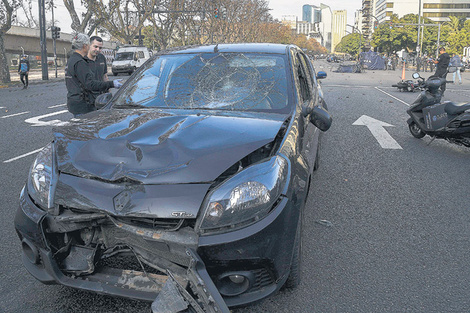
(35, 77)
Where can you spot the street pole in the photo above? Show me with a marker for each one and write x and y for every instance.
(418, 50)
(42, 33)
(53, 39)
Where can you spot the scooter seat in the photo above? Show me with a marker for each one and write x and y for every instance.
(456, 108)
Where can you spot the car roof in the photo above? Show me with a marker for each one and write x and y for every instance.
(236, 48)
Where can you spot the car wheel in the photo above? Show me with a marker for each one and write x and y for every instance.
(293, 280)
(416, 131)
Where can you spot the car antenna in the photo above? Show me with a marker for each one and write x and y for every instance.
(216, 48)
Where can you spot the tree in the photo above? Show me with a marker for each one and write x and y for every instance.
(350, 44)
(123, 18)
(87, 21)
(6, 12)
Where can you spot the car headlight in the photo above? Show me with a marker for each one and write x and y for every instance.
(246, 197)
(40, 177)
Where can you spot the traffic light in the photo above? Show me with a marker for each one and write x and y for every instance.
(376, 24)
(391, 25)
(216, 13)
(224, 13)
(55, 32)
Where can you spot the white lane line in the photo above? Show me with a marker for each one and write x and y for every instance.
(22, 156)
(57, 106)
(36, 120)
(391, 96)
(16, 114)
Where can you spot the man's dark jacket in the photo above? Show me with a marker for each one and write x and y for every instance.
(80, 82)
(99, 69)
(442, 65)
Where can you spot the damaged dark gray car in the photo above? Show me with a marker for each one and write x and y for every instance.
(187, 188)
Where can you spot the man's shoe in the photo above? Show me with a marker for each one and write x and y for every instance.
(24, 87)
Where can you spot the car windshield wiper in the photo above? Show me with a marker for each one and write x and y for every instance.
(129, 105)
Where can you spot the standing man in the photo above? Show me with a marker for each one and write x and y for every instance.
(80, 80)
(457, 63)
(442, 64)
(97, 63)
(23, 70)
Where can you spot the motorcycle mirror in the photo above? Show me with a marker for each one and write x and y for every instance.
(416, 75)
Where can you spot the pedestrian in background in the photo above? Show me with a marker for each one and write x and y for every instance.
(23, 70)
(456, 62)
(97, 63)
(80, 80)
(442, 64)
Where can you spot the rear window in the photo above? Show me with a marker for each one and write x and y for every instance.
(222, 81)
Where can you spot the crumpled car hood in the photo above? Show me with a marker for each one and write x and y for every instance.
(153, 147)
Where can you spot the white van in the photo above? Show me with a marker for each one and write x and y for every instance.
(128, 59)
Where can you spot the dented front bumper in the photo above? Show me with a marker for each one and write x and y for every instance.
(145, 258)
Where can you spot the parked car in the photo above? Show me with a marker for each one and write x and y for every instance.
(193, 177)
(128, 59)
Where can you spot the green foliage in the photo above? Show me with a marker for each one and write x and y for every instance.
(350, 44)
(455, 34)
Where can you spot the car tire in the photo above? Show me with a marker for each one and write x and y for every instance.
(115, 74)
(416, 131)
(293, 280)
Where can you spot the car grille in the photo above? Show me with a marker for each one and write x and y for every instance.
(168, 224)
(263, 279)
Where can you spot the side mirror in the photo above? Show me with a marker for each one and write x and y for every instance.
(416, 75)
(321, 75)
(102, 100)
(306, 109)
(321, 118)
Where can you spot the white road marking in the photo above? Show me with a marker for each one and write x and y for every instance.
(57, 106)
(36, 121)
(22, 156)
(377, 129)
(391, 96)
(16, 114)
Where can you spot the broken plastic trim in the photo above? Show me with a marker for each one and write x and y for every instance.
(175, 298)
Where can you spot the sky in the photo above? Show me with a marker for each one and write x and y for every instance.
(294, 7)
(279, 8)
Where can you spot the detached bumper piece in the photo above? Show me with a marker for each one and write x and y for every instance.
(203, 296)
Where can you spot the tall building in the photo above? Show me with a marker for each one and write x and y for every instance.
(317, 21)
(338, 28)
(311, 13)
(436, 10)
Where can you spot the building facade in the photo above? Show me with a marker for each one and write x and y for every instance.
(340, 19)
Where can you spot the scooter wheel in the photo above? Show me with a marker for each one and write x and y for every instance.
(416, 131)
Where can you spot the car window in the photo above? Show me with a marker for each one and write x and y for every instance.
(222, 81)
(304, 79)
(307, 64)
(124, 56)
(141, 54)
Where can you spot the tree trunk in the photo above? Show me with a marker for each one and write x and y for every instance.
(4, 68)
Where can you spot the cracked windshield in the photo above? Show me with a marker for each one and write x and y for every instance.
(222, 81)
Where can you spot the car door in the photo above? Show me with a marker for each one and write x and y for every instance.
(308, 98)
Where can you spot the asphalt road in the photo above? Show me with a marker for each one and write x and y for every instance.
(386, 230)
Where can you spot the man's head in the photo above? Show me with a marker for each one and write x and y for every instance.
(80, 43)
(24, 56)
(96, 44)
(442, 50)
